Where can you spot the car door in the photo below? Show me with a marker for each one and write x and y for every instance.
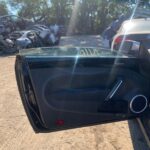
(65, 88)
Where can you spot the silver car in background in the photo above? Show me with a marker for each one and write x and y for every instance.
(131, 34)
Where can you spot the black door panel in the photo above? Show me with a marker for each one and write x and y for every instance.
(61, 93)
(92, 88)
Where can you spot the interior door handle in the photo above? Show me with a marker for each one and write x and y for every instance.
(114, 89)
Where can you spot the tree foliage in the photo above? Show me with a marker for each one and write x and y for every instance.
(3, 8)
(84, 16)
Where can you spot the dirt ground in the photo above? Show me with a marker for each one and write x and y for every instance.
(17, 134)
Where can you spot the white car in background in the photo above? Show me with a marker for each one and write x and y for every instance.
(131, 34)
(111, 30)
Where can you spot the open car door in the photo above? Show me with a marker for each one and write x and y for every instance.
(68, 88)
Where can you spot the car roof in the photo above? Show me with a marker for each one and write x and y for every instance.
(135, 26)
(138, 20)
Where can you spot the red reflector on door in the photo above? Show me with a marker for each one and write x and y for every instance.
(59, 122)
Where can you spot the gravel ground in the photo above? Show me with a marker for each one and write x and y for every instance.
(17, 134)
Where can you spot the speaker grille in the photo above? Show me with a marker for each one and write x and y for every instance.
(138, 104)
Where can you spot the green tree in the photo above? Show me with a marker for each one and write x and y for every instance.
(36, 10)
(80, 16)
(3, 8)
(61, 11)
(56, 11)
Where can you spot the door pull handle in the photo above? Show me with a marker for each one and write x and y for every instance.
(114, 90)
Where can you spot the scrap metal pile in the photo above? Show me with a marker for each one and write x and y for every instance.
(18, 33)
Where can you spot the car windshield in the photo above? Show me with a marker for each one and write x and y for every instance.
(77, 23)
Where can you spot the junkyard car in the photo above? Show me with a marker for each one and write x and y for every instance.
(7, 45)
(132, 32)
(13, 38)
(116, 26)
(25, 39)
(9, 24)
(47, 35)
(13, 22)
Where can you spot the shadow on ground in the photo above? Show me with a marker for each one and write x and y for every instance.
(137, 137)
